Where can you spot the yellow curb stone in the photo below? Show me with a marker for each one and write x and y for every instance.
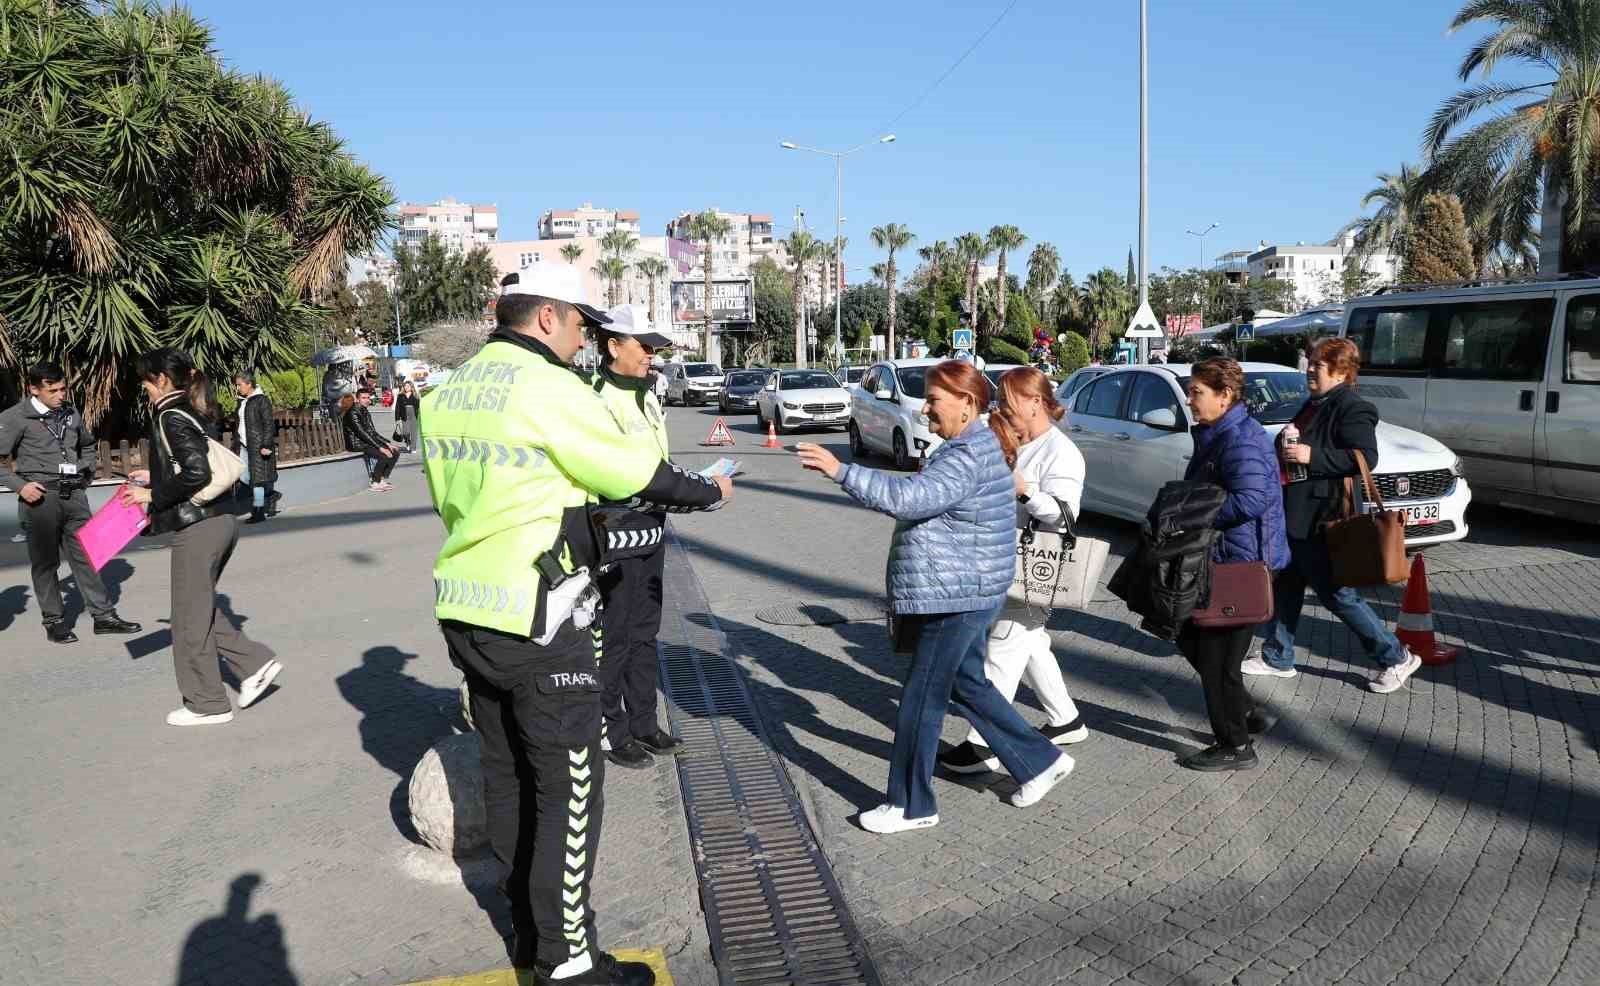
(653, 957)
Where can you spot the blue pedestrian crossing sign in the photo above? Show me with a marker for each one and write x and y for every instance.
(1245, 333)
(961, 339)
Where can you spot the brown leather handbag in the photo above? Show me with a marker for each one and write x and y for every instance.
(1366, 548)
(1241, 595)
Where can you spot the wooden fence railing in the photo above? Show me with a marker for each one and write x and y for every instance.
(300, 437)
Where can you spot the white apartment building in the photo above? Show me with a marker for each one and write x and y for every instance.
(515, 256)
(1316, 270)
(749, 240)
(458, 224)
(586, 220)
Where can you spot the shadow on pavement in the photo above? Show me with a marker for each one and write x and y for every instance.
(13, 603)
(235, 948)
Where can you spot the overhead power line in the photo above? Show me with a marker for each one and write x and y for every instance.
(951, 70)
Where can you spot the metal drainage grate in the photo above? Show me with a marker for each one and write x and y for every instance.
(823, 613)
(773, 909)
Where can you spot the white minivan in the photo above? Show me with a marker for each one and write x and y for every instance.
(1507, 375)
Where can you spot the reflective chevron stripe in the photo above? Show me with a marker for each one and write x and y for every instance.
(575, 877)
(481, 595)
(482, 452)
(617, 540)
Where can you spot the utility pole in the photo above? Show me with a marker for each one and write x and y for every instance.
(1144, 167)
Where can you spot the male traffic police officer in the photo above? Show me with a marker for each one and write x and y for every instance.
(52, 463)
(632, 588)
(516, 448)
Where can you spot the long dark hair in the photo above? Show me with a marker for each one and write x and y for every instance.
(178, 367)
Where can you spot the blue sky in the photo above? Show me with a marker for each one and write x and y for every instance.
(1268, 117)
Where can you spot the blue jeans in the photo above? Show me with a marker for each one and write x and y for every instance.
(947, 672)
(1309, 565)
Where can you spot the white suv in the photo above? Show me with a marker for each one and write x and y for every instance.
(1132, 426)
(886, 412)
(693, 383)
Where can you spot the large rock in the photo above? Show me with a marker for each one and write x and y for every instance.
(446, 796)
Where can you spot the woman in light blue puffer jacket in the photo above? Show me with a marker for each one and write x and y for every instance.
(950, 562)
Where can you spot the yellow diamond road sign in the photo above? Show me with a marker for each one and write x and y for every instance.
(1144, 324)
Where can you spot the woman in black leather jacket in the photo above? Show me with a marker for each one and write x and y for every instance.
(204, 536)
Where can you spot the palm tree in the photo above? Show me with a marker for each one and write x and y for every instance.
(803, 250)
(708, 228)
(1067, 299)
(891, 237)
(611, 270)
(1397, 196)
(572, 252)
(652, 269)
(973, 251)
(1004, 239)
(1044, 266)
(618, 243)
(1503, 165)
(1108, 305)
(936, 256)
(155, 196)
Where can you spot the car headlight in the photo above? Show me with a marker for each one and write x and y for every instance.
(790, 407)
(1455, 467)
(922, 419)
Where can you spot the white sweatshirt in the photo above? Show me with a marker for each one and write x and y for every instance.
(1052, 469)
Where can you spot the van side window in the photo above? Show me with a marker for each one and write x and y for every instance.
(1391, 338)
(1497, 340)
(1582, 355)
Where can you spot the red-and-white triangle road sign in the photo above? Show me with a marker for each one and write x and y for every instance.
(720, 435)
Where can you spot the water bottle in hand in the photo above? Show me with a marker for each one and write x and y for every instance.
(1294, 470)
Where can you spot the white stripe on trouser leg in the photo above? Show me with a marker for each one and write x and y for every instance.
(575, 873)
(1415, 622)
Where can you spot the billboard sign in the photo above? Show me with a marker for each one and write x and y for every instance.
(682, 255)
(731, 301)
(1179, 326)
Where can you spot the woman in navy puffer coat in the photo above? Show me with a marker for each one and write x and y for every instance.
(1232, 450)
(950, 563)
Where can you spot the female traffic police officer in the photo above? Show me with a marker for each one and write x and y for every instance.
(517, 448)
(632, 587)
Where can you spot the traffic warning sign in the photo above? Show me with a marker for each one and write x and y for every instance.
(720, 435)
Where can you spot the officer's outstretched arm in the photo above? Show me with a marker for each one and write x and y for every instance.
(676, 489)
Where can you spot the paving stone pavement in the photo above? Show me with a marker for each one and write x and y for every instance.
(275, 850)
(1444, 834)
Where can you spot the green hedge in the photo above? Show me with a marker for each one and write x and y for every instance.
(1000, 351)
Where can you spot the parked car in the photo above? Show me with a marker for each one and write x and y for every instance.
(693, 383)
(886, 412)
(1077, 381)
(1507, 376)
(802, 399)
(993, 372)
(1132, 426)
(850, 376)
(740, 389)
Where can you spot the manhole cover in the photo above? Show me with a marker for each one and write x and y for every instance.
(824, 613)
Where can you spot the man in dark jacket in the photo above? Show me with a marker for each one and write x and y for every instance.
(52, 464)
(258, 445)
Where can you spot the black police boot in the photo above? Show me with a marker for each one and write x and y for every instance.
(258, 515)
(630, 755)
(606, 972)
(60, 633)
(661, 743)
(115, 624)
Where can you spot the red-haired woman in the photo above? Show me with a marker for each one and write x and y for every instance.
(1048, 472)
(951, 560)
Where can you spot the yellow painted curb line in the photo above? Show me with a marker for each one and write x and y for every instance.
(653, 957)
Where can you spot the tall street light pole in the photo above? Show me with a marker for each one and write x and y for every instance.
(1205, 284)
(838, 218)
(1144, 167)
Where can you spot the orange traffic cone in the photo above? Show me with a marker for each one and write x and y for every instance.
(772, 437)
(1415, 627)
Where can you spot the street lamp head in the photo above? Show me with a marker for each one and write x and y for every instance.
(886, 139)
(789, 146)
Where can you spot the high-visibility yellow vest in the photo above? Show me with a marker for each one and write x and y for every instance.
(515, 446)
(636, 410)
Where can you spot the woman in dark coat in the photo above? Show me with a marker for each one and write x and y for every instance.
(1334, 425)
(407, 415)
(1233, 451)
(257, 445)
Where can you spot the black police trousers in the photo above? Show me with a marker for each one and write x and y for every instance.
(537, 714)
(628, 665)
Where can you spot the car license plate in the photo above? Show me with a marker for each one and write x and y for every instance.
(1420, 513)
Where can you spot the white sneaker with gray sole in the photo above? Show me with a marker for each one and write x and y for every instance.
(888, 819)
(184, 717)
(1255, 665)
(257, 684)
(1391, 679)
(1031, 792)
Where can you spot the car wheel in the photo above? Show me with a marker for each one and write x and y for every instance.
(857, 449)
(761, 418)
(902, 455)
(777, 423)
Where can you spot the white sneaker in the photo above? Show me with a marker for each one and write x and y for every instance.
(1390, 679)
(19, 538)
(888, 819)
(1255, 665)
(183, 717)
(1032, 791)
(254, 686)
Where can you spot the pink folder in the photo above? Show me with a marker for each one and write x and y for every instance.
(110, 529)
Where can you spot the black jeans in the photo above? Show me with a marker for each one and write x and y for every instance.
(1217, 654)
(537, 714)
(379, 466)
(629, 668)
(52, 525)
